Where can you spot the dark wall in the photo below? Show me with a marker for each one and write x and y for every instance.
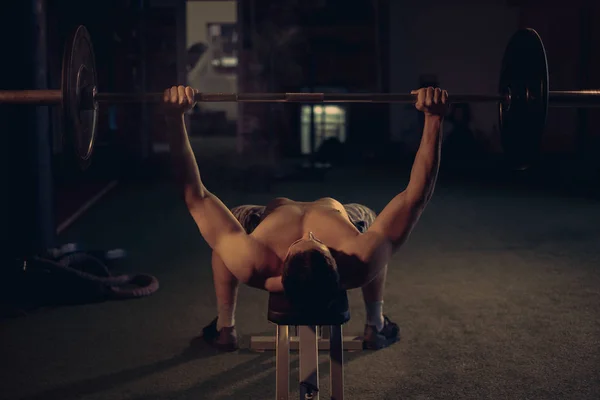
(561, 31)
(139, 47)
(110, 24)
(348, 49)
(342, 47)
(571, 37)
(461, 43)
(572, 137)
(33, 45)
(27, 222)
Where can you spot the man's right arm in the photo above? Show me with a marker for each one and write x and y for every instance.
(184, 162)
(218, 226)
(423, 175)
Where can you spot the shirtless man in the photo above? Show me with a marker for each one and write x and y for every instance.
(318, 247)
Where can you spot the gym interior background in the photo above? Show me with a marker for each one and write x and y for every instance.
(251, 152)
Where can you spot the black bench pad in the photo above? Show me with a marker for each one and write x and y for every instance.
(281, 312)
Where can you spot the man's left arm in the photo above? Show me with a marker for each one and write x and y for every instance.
(398, 218)
(400, 215)
(365, 255)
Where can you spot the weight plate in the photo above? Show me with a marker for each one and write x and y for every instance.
(78, 85)
(524, 82)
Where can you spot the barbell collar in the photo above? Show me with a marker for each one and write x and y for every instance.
(34, 97)
(575, 98)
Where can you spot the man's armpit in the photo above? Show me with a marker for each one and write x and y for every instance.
(352, 270)
(363, 258)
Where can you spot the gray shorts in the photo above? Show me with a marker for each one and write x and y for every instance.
(250, 216)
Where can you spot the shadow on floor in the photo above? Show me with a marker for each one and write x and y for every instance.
(262, 387)
(198, 349)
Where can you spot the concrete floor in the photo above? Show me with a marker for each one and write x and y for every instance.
(497, 293)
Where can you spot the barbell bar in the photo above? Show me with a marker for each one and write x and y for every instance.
(50, 97)
(581, 98)
(523, 96)
(567, 98)
(575, 98)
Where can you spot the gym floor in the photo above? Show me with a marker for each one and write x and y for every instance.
(496, 291)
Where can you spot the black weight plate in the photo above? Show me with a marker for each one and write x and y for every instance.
(524, 80)
(78, 77)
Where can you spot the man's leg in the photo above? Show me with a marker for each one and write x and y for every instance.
(373, 297)
(221, 331)
(226, 284)
(379, 330)
(226, 290)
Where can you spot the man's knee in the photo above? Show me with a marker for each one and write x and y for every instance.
(377, 279)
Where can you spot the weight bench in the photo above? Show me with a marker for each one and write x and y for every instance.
(284, 315)
(269, 343)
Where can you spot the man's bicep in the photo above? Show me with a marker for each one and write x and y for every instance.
(244, 256)
(214, 220)
(397, 219)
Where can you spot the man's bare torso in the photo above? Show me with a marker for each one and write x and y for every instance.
(285, 221)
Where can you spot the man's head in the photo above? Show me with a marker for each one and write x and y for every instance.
(310, 276)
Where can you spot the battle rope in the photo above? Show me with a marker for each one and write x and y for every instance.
(71, 264)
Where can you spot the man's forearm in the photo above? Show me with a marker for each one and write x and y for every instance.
(427, 162)
(183, 159)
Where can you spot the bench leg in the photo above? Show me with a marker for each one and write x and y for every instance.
(336, 362)
(282, 363)
(309, 363)
(269, 343)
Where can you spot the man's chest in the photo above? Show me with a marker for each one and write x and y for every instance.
(282, 228)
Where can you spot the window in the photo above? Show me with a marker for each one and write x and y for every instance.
(223, 40)
(330, 122)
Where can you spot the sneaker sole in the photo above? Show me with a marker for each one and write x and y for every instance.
(369, 345)
(229, 347)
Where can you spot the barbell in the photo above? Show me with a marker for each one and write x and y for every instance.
(523, 96)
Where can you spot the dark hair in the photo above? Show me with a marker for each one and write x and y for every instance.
(310, 279)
